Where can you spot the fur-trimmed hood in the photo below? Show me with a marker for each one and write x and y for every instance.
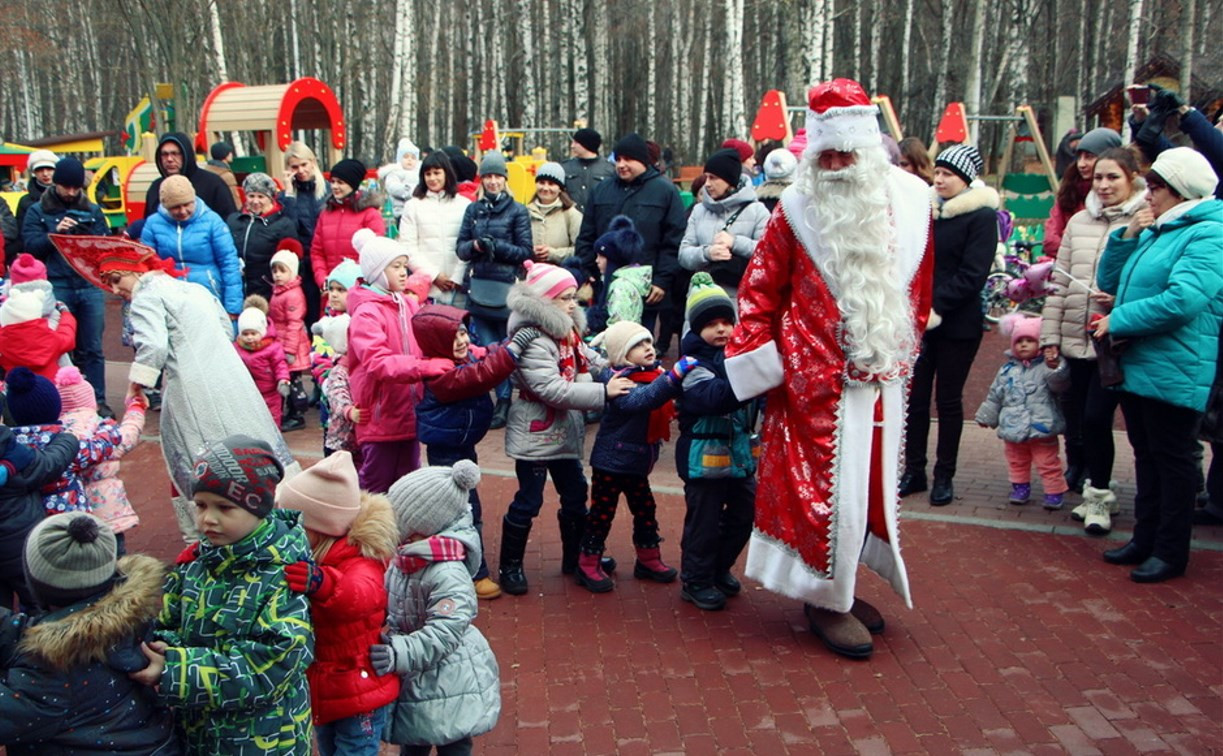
(528, 308)
(95, 631)
(978, 196)
(772, 188)
(357, 201)
(374, 532)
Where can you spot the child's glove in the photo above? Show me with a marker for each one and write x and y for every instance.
(518, 342)
(308, 578)
(681, 368)
(188, 555)
(382, 657)
(283, 388)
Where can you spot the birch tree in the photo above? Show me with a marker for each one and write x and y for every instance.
(651, 67)
(944, 58)
(905, 55)
(398, 122)
(733, 117)
(1131, 56)
(577, 28)
(976, 66)
(526, 42)
(218, 41)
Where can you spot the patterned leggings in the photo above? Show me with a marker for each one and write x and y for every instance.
(605, 490)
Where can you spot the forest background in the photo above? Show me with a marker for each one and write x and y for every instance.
(685, 73)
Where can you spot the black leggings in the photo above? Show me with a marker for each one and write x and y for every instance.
(605, 490)
(949, 360)
(1089, 410)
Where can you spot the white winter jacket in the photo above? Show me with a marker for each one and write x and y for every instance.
(429, 230)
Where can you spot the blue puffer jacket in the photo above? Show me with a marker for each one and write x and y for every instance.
(621, 445)
(1167, 282)
(204, 246)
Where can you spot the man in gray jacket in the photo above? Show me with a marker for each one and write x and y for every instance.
(586, 168)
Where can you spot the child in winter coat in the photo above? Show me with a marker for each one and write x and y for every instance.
(1023, 405)
(234, 641)
(386, 367)
(451, 687)
(342, 415)
(352, 536)
(34, 404)
(23, 473)
(264, 359)
(713, 455)
(617, 254)
(287, 311)
(26, 338)
(28, 273)
(104, 488)
(322, 354)
(625, 450)
(455, 412)
(64, 684)
(546, 428)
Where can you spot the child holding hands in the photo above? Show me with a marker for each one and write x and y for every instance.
(1022, 404)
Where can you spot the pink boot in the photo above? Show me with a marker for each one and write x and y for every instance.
(591, 574)
(651, 567)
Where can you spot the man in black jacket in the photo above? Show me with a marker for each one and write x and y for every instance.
(175, 156)
(645, 195)
(40, 167)
(586, 168)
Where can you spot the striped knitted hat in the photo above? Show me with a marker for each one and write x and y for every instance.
(547, 281)
(962, 160)
(69, 557)
(707, 301)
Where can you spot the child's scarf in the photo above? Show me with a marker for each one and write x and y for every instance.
(572, 360)
(660, 419)
(417, 555)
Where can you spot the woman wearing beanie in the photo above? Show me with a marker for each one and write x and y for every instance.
(352, 536)
(188, 233)
(347, 210)
(1117, 193)
(1165, 269)
(385, 363)
(495, 240)
(451, 685)
(965, 239)
(429, 229)
(546, 429)
(725, 225)
(258, 228)
(66, 687)
(555, 218)
(1076, 183)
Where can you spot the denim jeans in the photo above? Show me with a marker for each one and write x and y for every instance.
(86, 304)
(567, 476)
(358, 735)
(485, 332)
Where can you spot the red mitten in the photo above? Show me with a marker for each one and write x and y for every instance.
(188, 555)
(308, 578)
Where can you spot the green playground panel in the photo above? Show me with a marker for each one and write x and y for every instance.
(687, 198)
(1026, 183)
(1028, 207)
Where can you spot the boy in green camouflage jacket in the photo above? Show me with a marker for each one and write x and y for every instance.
(234, 640)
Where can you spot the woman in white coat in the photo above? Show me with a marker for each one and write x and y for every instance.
(429, 229)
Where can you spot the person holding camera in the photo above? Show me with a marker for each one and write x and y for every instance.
(64, 209)
(495, 239)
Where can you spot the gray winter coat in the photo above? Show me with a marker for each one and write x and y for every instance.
(1022, 402)
(451, 683)
(709, 217)
(546, 421)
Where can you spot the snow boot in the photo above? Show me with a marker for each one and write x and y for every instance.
(1097, 520)
(513, 546)
(571, 527)
(1079, 513)
(650, 566)
(591, 575)
(501, 414)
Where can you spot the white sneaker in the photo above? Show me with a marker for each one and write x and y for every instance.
(1098, 520)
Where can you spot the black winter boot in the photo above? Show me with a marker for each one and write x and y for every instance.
(571, 540)
(501, 414)
(513, 546)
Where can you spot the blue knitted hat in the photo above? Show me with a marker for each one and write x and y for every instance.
(32, 399)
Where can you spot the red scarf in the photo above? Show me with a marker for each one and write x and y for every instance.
(415, 556)
(660, 419)
(572, 360)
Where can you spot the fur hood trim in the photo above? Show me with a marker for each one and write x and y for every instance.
(374, 531)
(87, 635)
(771, 189)
(529, 308)
(978, 196)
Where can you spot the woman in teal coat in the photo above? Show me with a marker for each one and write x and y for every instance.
(1166, 271)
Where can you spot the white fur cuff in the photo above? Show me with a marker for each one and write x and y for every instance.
(755, 372)
(143, 374)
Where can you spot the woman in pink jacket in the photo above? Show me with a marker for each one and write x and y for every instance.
(386, 364)
(347, 211)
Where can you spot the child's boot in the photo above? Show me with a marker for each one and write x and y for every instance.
(591, 575)
(1053, 501)
(650, 566)
(1020, 493)
(571, 527)
(513, 546)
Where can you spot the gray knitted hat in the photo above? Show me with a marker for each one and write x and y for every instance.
(553, 172)
(69, 557)
(493, 164)
(428, 500)
(1098, 140)
(259, 183)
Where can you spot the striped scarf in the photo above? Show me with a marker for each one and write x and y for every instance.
(417, 555)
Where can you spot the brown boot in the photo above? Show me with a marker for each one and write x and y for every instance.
(841, 632)
(868, 615)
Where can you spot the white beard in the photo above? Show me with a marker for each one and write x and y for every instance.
(849, 208)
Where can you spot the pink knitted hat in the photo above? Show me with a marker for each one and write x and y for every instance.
(546, 280)
(27, 268)
(326, 494)
(74, 391)
(1020, 327)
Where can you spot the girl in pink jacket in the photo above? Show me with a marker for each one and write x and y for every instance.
(386, 364)
(346, 211)
(287, 312)
(264, 359)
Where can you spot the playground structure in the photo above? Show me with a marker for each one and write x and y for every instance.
(520, 164)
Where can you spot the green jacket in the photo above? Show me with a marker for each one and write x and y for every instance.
(240, 642)
(626, 295)
(1167, 282)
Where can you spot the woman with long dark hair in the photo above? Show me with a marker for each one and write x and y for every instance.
(429, 229)
(1076, 183)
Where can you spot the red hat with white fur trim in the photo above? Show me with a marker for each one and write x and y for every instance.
(840, 116)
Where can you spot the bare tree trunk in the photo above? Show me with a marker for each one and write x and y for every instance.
(293, 36)
(876, 21)
(813, 23)
(581, 94)
(400, 55)
(940, 82)
(1131, 56)
(530, 105)
(1083, 69)
(976, 66)
(218, 41)
(1188, 11)
(702, 115)
(733, 118)
(905, 57)
(828, 58)
(651, 69)
(500, 105)
(682, 112)
(858, 42)
(602, 64)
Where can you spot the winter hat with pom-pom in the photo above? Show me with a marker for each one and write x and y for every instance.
(345, 274)
(1017, 326)
(375, 253)
(21, 306)
(256, 301)
(253, 319)
(74, 391)
(779, 165)
(620, 244)
(32, 399)
(546, 280)
(27, 268)
(288, 259)
(69, 557)
(707, 301)
(430, 499)
(619, 339)
(334, 330)
(326, 494)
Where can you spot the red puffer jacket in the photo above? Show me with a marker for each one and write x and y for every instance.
(339, 220)
(287, 311)
(351, 616)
